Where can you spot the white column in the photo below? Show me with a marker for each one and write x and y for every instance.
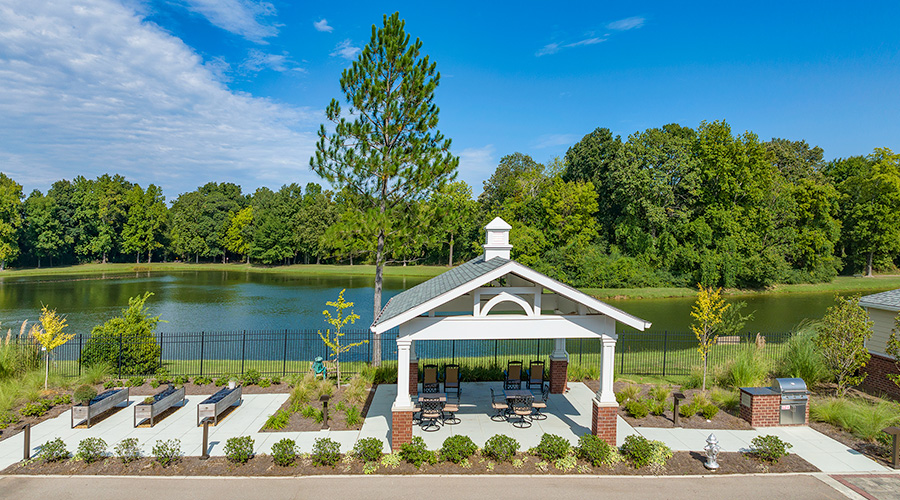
(403, 351)
(559, 350)
(607, 365)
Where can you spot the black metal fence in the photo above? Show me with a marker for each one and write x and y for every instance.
(212, 354)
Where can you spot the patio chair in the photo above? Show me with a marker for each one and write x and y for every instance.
(451, 380)
(541, 404)
(536, 375)
(513, 375)
(521, 410)
(500, 406)
(449, 413)
(430, 382)
(432, 412)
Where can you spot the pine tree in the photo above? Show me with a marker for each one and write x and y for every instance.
(388, 152)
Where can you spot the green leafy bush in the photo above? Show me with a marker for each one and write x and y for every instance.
(53, 451)
(284, 452)
(239, 449)
(84, 394)
(62, 399)
(326, 452)
(155, 383)
(252, 377)
(223, 381)
(278, 421)
(204, 381)
(416, 453)
(36, 409)
(637, 408)
(552, 447)
(264, 382)
(109, 384)
(596, 451)
(500, 448)
(149, 400)
(132, 333)
(709, 411)
(7, 418)
(353, 416)
(276, 380)
(368, 449)
(458, 448)
(135, 382)
(167, 452)
(769, 448)
(642, 451)
(181, 380)
(91, 449)
(660, 393)
(128, 450)
(658, 407)
(688, 410)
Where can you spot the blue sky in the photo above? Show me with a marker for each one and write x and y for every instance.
(182, 92)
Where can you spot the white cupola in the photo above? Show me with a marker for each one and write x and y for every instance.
(496, 242)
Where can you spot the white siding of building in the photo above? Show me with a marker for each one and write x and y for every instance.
(882, 324)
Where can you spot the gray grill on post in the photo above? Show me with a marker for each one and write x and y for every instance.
(794, 398)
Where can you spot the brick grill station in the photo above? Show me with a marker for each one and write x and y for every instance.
(764, 409)
(558, 372)
(878, 368)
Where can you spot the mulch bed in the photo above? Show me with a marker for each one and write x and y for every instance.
(337, 420)
(682, 463)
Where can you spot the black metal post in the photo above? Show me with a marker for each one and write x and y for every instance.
(496, 344)
(205, 451)
(243, 349)
(119, 360)
(27, 433)
(202, 343)
(665, 349)
(678, 396)
(80, 349)
(284, 365)
(161, 348)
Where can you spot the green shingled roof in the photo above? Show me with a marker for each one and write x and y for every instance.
(437, 286)
(889, 299)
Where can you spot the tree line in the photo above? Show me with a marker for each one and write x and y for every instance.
(665, 206)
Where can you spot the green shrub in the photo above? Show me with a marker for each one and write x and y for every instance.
(181, 380)
(91, 449)
(109, 384)
(53, 451)
(7, 418)
(660, 393)
(62, 399)
(132, 334)
(642, 451)
(128, 450)
(167, 452)
(251, 377)
(326, 452)
(284, 452)
(458, 448)
(552, 447)
(802, 358)
(278, 421)
(36, 409)
(637, 408)
(657, 407)
(627, 393)
(264, 382)
(500, 448)
(135, 382)
(149, 400)
(204, 381)
(596, 451)
(353, 416)
(239, 449)
(368, 449)
(155, 383)
(709, 411)
(729, 400)
(223, 381)
(416, 453)
(84, 394)
(276, 380)
(769, 448)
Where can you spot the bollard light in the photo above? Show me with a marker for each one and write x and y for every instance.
(712, 449)
(324, 399)
(678, 397)
(26, 431)
(205, 454)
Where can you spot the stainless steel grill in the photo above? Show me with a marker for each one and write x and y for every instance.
(794, 398)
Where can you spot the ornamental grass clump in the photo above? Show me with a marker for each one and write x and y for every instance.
(239, 449)
(278, 421)
(284, 452)
(500, 447)
(84, 394)
(458, 448)
(627, 393)
(91, 450)
(552, 447)
(326, 452)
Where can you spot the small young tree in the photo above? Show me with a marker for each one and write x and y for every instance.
(893, 349)
(841, 337)
(707, 312)
(332, 339)
(50, 334)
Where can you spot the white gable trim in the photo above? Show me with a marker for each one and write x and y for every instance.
(508, 327)
(506, 297)
(527, 273)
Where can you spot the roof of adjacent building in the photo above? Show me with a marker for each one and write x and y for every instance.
(437, 286)
(885, 300)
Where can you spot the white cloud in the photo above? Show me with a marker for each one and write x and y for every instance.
(546, 50)
(554, 140)
(246, 18)
(346, 49)
(258, 60)
(92, 88)
(586, 41)
(477, 164)
(626, 24)
(323, 26)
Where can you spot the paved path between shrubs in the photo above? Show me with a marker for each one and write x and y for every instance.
(799, 487)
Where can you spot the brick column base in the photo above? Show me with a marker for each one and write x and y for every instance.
(559, 370)
(603, 422)
(414, 378)
(401, 429)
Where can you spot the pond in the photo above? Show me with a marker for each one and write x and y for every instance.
(235, 300)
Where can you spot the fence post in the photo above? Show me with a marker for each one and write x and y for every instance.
(622, 358)
(80, 351)
(284, 365)
(243, 349)
(496, 343)
(161, 348)
(119, 360)
(665, 349)
(453, 351)
(202, 343)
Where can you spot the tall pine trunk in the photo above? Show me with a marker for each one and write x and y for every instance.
(451, 251)
(379, 276)
(149, 255)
